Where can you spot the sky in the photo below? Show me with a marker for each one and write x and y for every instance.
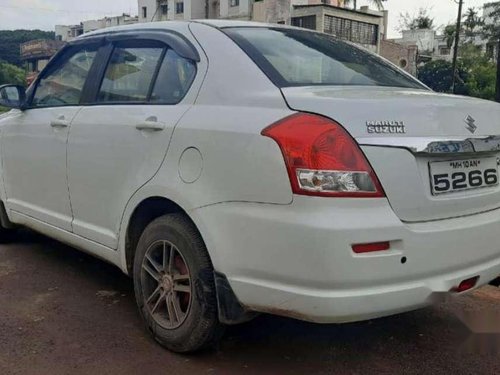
(44, 14)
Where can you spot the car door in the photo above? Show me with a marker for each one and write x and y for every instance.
(34, 140)
(119, 142)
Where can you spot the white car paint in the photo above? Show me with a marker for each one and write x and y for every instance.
(34, 164)
(282, 253)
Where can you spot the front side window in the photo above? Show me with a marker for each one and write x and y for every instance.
(130, 74)
(174, 79)
(302, 58)
(62, 84)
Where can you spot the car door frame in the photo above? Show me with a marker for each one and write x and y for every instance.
(170, 40)
(59, 59)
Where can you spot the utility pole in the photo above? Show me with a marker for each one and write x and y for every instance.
(455, 48)
(497, 96)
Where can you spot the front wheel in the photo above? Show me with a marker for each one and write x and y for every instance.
(174, 285)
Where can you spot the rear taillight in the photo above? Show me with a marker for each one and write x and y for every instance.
(322, 158)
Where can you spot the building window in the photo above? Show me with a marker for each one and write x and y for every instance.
(307, 22)
(164, 9)
(353, 31)
(444, 51)
(144, 12)
(179, 7)
(234, 3)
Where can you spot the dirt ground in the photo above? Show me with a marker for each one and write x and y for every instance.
(63, 312)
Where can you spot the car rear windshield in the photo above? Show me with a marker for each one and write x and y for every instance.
(291, 57)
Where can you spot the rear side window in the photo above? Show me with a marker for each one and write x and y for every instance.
(130, 74)
(301, 58)
(174, 79)
(63, 82)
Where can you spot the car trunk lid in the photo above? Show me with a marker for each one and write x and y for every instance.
(409, 137)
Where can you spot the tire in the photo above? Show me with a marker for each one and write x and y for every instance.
(174, 285)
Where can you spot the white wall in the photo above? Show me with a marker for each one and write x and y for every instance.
(424, 39)
(62, 32)
(198, 8)
(242, 11)
(151, 9)
(93, 25)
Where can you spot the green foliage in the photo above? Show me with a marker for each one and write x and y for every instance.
(10, 41)
(421, 20)
(481, 72)
(11, 74)
(449, 32)
(492, 30)
(437, 74)
(476, 74)
(471, 22)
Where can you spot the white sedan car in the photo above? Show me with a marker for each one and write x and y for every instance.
(233, 168)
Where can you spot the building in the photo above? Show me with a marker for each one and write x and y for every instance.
(405, 57)
(164, 10)
(67, 33)
(364, 27)
(36, 54)
(434, 46)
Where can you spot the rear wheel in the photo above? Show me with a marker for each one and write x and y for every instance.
(174, 285)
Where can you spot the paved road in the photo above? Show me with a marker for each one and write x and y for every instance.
(63, 312)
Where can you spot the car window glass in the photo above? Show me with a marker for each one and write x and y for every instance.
(129, 74)
(303, 58)
(63, 84)
(174, 79)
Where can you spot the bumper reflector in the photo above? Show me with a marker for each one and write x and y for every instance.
(466, 285)
(371, 247)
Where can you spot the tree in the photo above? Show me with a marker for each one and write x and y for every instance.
(475, 74)
(10, 41)
(437, 75)
(480, 77)
(11, 74)
(491, 31)
(449, 34)
(421, 20)
(378, 3)
(471, 22)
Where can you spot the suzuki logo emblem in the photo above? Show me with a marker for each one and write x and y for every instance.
(471, 124)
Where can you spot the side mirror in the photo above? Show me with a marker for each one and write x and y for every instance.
(12, 96)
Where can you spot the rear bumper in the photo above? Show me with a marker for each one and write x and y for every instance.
(296, 260)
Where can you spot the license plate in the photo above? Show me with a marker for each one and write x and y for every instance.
(466, 174)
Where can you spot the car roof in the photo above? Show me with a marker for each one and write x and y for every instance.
(176, 25)
(222, 23)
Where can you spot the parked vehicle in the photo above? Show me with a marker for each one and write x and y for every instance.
(233, 168)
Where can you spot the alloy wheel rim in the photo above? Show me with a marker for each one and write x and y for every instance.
(166, 284)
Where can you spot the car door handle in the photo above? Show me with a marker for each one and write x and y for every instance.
(59, 123)
(150, 125)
